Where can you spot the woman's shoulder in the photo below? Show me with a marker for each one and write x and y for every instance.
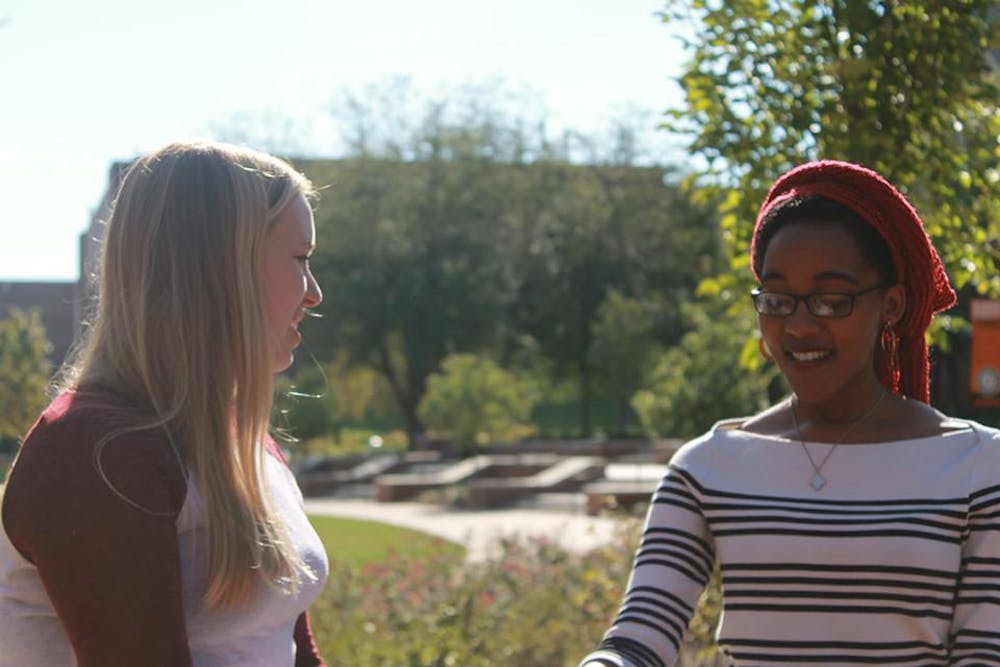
(72, 415)
(901, 420)
(81, 444)
(987, 437)
(80, 417)
(74, 479)
(700, 450)
(984, 463)
(915, 420)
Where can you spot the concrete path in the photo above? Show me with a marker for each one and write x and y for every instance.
(478, 530)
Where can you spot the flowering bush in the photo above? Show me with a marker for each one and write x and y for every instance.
(532, 605)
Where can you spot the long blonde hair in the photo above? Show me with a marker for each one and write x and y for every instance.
(180, 330)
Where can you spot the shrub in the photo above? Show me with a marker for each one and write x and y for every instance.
(622, 350)
(533, 605)
(475, 402)
(24, 372)
(704, 379)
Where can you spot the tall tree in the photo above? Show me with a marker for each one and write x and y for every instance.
(413, 240)
(409, 257)
(469, 230)
(902, 86)
(24, 371)
(697, 383)
(599, 228)
(623, 350)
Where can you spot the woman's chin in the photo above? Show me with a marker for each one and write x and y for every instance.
(285, 357)
(283, 362)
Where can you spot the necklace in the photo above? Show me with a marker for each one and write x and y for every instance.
(818, 481)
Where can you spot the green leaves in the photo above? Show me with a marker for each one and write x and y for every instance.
(466, 232)
(24, 371)
(476, 402)
(623, 348)
(699, 381)
(902, 87)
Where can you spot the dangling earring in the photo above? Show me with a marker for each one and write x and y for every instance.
(890, 347)
(764, 352)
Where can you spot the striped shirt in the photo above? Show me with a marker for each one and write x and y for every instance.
(896, 561)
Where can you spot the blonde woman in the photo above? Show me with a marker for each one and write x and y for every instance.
(149, 518)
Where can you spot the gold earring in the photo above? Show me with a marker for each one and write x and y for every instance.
(890, 345)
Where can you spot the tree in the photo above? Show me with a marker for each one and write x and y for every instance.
(476, 402)
(321, 399)
(623, 349)
(470, 231)
(411, 261)
(413, 228)
(699, 382)
(266, 130)
(591, 229)
(902, 86)
(24, 371)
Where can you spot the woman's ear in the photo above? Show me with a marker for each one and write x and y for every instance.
(894, 303)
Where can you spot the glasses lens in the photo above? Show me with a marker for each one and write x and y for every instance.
(769, 303)
(831, 305)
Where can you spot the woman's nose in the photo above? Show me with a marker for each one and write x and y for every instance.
(314, 295)
(801, 321)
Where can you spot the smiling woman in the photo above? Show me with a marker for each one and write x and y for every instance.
(853, 523)
(288, 285)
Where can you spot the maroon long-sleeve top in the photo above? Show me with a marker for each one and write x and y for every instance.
(112, 573)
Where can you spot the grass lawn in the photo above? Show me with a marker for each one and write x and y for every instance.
(356, 542)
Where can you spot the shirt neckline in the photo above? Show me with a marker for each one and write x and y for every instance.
(731, 428)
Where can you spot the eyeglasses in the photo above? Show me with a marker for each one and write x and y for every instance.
(822, 304)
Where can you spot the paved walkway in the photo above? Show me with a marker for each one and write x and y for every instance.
(478, 530)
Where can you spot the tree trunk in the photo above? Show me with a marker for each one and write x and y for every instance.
(586, 425)
(406, 404)
(623, 414)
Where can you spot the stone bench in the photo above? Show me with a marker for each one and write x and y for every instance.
(564, 475)
(603, 496)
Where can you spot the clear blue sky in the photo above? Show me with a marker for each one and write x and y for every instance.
(83, 84)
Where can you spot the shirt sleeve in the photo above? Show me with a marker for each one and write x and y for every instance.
(306, 651)
(672, 566)
(105, 546)
(975, 631)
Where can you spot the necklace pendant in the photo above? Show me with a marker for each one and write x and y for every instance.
(818, 481)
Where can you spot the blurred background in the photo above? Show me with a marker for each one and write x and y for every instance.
(534, 215)
(532, 239)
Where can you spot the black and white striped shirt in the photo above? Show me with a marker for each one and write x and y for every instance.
(896, 561)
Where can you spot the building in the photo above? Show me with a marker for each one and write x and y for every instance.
(58, 303)
(64, 306)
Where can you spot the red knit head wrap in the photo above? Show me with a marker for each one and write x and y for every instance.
(918, 265)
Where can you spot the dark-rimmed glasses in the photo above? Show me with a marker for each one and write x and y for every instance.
(820, 304)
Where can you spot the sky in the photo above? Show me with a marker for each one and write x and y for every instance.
(85, 84)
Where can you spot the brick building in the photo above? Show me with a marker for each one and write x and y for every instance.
(64, 306)
(58, 303)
